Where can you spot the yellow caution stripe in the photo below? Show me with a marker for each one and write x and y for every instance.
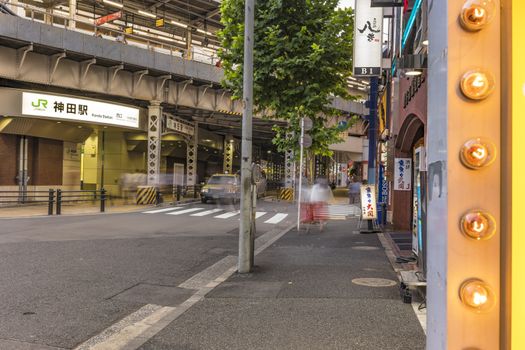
(286, 194)
(146, 194)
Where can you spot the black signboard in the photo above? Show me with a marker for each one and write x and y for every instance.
(367, 71)
(386, 3)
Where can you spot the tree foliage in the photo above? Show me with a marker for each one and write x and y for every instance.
(302, 58)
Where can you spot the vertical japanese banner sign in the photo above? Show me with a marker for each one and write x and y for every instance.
(368, 34)
(403, 174)
(368, 202)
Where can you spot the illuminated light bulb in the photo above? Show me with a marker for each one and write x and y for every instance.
(477, 84)
(478, 225)
(477, 295)
(477, 153)
(477, 14)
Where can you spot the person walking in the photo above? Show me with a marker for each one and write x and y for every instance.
(354, 188)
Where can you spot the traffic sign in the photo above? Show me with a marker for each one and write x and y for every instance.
(307, 124)
(307, 141)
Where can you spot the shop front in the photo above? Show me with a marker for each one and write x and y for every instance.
(409, 162)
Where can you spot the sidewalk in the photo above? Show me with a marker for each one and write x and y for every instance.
(303, 294)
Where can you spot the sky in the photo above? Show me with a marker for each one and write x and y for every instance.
(346, 3)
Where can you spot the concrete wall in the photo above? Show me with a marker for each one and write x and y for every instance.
(117, 160)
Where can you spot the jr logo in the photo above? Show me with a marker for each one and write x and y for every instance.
(41, 104)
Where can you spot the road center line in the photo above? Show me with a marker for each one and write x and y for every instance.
(137, 328)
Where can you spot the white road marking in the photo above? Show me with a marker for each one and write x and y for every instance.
(161, 210)
(227, 215)
(258, 214)
(207, 212)
(277, 218)
(137, 328)
(421, 316)
(185, 211)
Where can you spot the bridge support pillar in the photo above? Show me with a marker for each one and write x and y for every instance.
(289, 169)
(191, 158)
(154, 139)
(227, 164)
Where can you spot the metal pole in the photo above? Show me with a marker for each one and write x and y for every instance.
(301, 143)
(372, 136)
(59, 202)
(21, 170)
(102, 200)
(50, 201)
(25, 173)
(102, 157)
(245, 242)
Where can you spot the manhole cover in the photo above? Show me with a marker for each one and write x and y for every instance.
(374, 282)
(365, 247)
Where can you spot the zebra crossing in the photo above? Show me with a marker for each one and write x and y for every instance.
(217, 213)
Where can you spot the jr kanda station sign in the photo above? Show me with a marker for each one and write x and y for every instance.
(76, 109)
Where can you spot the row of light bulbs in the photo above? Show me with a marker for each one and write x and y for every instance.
(477, 153)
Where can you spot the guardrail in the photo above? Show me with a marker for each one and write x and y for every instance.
(178, 192)
(53, 198)
(80, 196)
(28, 197)
(105, 31)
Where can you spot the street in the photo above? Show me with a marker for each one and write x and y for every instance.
(65, 279)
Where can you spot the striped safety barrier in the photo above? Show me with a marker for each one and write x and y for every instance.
(286, 194)
(146, 194)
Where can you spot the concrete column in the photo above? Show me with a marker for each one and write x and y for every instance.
(189, 45)
(227, 165)
(191, 158)
(154, 142)
(48, 16)
(72, 14)
(453, 189)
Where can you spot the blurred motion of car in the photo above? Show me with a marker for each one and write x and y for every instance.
(221, 187)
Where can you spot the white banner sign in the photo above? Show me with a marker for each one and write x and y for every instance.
(368, 36)
(368, 202)
(402, 174)
(180, 126)
(69, 108)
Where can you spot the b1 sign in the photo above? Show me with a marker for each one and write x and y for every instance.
(76, 109)
(368, 34)
(368, 202)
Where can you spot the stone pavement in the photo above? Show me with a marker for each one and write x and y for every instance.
(319, 290)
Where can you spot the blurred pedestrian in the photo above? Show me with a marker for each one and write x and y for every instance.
(321, 194)
(354, 190)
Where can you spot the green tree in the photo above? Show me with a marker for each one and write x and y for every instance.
(302, 58)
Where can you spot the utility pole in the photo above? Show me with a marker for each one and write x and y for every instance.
(245, 239)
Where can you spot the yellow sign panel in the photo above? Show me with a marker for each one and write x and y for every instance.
(159, 22)
(128, 30)
(382, 115)
(518, 168)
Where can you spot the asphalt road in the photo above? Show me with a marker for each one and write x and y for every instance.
(65, 279)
